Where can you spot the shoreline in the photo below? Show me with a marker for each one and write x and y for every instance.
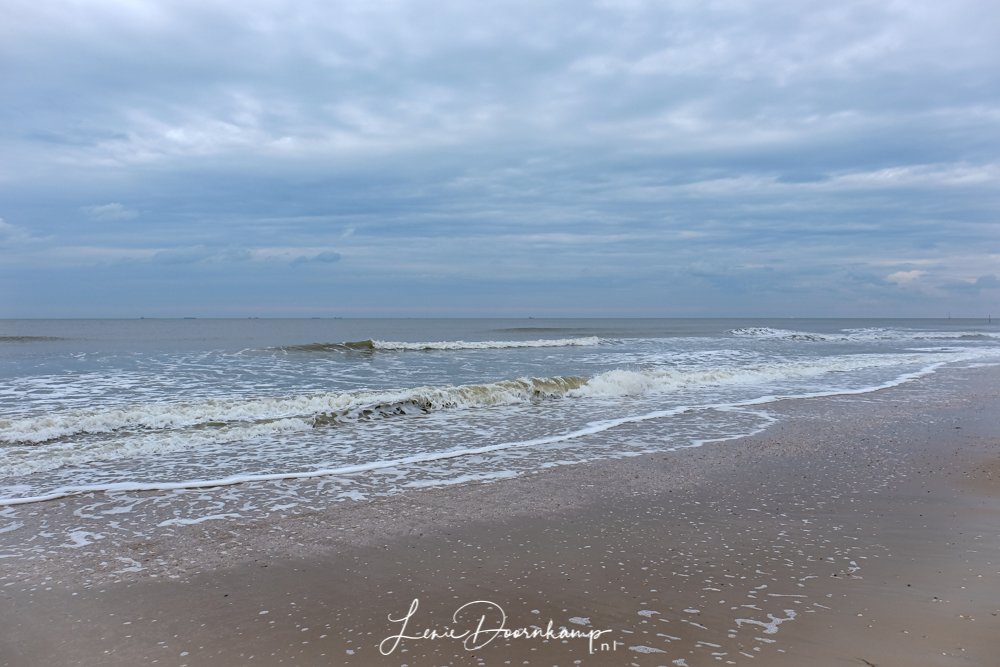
(797, 518)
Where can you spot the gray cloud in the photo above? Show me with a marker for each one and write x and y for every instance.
(326, 257)
(825, 149)
(112, 211)
(987, 282)
(11, 235)
(184, 255)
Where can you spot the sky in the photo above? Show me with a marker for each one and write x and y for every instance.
(499, 158)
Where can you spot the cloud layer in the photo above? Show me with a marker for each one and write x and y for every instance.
(648, 158)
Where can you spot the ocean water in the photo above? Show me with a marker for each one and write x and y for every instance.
(311, 411)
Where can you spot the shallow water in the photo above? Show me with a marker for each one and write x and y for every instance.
(109, 405)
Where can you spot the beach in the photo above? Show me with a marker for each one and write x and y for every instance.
(397, 334)
(855, 529)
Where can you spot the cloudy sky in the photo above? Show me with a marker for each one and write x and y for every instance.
(559, 157)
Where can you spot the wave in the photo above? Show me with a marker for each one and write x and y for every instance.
(317, 409)
(529, 329)
(870, 334)
(880, 333)
(618, 382)
(391, 345)
(333, 408)
(356, 346)
(778, 334)
(28, 339)
(420, 458)
(429, 457)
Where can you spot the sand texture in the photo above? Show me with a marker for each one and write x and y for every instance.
(857, 530)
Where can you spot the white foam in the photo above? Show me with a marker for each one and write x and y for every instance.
(280, 414)
(57, 455)
(623, 382)
(484, 344)
(868, 334)
(82, 538)
(777, 334)
(612, 383)
(770, 626)
(133, 565)
(645, 649)
(11, 527)
(201, 519)
(221, 412)
(591, 428)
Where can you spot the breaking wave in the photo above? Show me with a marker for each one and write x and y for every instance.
(28, 339)
(316, 409)
(391, 345)
(44, 443)
(778, 334)
(325, 409)
(860, 335)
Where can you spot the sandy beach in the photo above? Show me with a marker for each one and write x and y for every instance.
(857, 530)
(506, 334)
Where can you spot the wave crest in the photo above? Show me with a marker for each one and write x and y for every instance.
(869, 334)
(404, 346)
(317, 409)
(777, 334)
(332, 408)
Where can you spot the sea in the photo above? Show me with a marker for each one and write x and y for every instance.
(238, 419)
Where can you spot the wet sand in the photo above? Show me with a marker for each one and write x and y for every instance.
(857, 530)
